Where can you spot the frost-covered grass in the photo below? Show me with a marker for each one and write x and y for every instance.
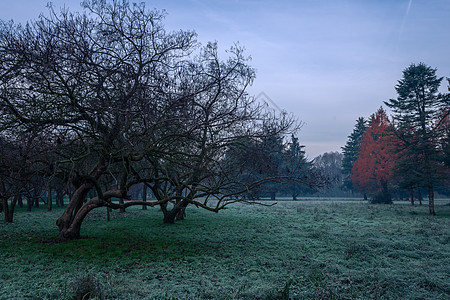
(300, 250)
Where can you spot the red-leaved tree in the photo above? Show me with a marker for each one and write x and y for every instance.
(373, 170)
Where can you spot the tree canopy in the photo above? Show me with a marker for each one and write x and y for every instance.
(113, 100)
(351, 151)
(418, 112)
(373, 170)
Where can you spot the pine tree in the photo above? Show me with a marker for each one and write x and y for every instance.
(417, 111)
(296, 164)
(351, 152)
(444, 151)
(272, 159)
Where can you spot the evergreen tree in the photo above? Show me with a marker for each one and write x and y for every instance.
(272, 160)
(351, 152)
(296, 164)
(444, 150)
(417, 111)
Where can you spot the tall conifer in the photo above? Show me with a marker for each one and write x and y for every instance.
(351, 151)
(417, 112)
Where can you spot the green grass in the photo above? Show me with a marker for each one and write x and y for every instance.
(299, 250)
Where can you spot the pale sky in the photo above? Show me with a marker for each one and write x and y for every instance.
(326, 61)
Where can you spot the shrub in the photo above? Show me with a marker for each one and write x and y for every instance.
(382, 198)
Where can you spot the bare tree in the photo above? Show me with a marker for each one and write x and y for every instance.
(124, 103)
(22, 171)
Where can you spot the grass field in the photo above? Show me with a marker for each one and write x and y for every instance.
(294, 250)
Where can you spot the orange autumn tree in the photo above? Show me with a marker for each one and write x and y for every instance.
(372, 172)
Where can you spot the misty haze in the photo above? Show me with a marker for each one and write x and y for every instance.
(224, 149)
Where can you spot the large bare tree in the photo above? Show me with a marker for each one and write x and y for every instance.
(124, 102)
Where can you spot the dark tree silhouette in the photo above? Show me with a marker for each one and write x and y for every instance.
(297, 164)
(417, 113)
(351, 152)
(123, 103)
(329, 164)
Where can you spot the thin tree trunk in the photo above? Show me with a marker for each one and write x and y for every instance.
(62, 200)
(12, 208)
(431, 198)
(29, 204)
(20, 201)
(412, 197)
(49, 199)
(58, 197)
(122, 209)
(8, 210)
(144, 196)
(420, 197)
(5, 209)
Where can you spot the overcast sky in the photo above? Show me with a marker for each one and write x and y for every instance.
(328, 62)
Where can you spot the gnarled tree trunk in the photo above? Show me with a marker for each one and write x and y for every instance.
(69, 223)
(68, 229)
(178, 212)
